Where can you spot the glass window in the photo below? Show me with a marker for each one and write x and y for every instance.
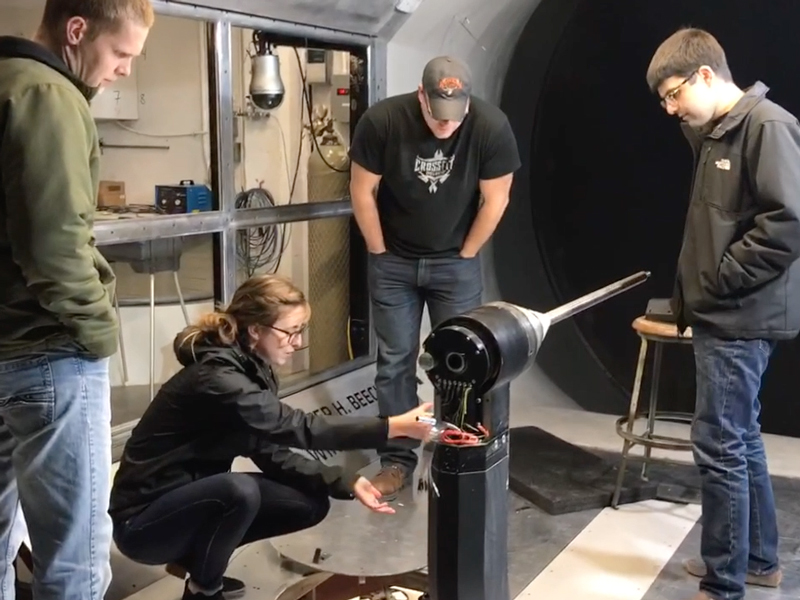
(161, 138)
(296, 149)
(315, 255)
(170, 279)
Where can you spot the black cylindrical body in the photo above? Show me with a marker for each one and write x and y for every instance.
(468, 522)
(483, 348)
(467, 359)
(470, 355)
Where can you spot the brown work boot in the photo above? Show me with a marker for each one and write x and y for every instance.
(389, 481)
(696, 567)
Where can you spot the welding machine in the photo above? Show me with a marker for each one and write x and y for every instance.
(186, 197)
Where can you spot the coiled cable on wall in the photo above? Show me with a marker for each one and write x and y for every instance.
(260, 248)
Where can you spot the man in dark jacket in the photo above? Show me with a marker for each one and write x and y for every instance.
(738, 288)
(56, 317)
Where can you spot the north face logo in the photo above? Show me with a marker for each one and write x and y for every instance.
(434, 171)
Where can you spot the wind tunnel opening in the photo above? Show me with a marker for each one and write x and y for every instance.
(605, 182)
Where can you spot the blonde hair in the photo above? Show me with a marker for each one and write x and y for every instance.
(261, 300)
(101, 15)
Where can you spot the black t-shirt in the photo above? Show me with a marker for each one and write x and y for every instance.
(429, 191)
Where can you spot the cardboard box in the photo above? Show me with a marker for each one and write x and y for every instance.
(111, 193)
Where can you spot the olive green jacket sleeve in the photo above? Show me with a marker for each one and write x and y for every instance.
(47, 171)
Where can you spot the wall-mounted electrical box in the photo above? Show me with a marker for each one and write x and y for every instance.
(323, 65)
(316, 66)
(338, 64)
(340, 98)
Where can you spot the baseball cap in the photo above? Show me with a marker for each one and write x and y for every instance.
(448, 84)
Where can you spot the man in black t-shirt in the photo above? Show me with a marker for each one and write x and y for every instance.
(430, 179)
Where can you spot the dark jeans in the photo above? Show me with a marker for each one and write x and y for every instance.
(739, 525)
(399, 288)
(199, 525)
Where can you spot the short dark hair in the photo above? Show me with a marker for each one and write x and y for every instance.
(682, 53)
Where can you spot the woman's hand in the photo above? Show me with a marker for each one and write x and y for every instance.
(408, 425)
(369, 496)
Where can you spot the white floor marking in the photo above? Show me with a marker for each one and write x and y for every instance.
(618, 556)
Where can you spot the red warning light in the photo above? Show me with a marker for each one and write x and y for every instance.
(342, 91)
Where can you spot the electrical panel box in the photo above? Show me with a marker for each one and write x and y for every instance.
(118, 102)
(323, 65)
(340, 98)
(338, 64)
(316, 66)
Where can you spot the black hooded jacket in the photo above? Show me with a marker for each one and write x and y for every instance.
(738, 271)
(221, 405)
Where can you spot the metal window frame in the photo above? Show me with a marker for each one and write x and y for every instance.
(227, 217)
(143, 229)
(226, 220)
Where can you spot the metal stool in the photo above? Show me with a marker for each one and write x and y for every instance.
(151, 257)
(659, 333)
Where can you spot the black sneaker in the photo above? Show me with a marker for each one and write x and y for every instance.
(188, 595)
(232, 588)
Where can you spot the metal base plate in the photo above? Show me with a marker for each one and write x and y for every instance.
(355, 541)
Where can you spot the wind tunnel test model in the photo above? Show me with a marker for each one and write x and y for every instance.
(468, 359)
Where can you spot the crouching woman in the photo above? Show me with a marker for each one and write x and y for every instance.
(176, 501)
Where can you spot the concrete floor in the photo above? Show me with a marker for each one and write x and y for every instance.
(634, 553)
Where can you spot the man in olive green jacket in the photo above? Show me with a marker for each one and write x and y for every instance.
(57, 324)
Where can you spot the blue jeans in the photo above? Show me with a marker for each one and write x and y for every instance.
(55, 462)
(739, 524)
(399, 289)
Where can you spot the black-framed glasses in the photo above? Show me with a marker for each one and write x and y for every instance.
(671, 95)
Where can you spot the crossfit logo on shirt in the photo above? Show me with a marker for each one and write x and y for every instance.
(434, 171)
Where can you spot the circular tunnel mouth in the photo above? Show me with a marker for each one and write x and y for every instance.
(605, 182)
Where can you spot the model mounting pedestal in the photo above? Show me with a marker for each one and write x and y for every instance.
(470, 360)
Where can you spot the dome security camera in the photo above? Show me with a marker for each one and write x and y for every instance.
(266, 87)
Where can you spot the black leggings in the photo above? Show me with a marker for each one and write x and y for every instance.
(199, 525)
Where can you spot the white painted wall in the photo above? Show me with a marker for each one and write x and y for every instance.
(172, 84)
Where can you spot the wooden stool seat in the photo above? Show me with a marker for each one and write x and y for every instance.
(658, 333)
(658, 329)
